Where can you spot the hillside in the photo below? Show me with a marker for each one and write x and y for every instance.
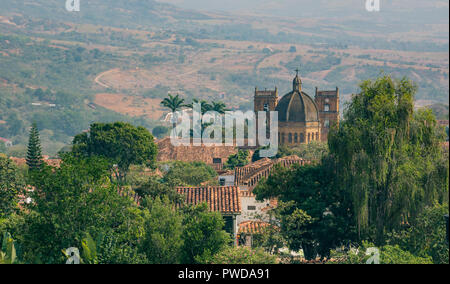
(117, 59)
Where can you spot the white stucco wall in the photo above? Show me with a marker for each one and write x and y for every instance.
(252, 215)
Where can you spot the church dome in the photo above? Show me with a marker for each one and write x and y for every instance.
(297, 106)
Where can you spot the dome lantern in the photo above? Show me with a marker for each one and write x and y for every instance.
(297, 84)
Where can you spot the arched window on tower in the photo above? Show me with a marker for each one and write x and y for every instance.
(290, 137)
(302, 138)
(326, 107)
(295, 138)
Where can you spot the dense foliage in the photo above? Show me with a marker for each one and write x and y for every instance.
(240, 159)
(189, 174)
(388, 157)
(12, 184)
(121, 143)
(243, 255)
(385, 179)
(381, 190)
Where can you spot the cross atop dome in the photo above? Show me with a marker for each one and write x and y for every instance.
(297, 84)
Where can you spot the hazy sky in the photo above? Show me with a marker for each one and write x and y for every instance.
(319, 8)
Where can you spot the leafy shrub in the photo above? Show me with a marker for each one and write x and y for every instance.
(243, 255)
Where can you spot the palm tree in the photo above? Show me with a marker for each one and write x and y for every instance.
(174, 103)
(205, 106)
(219, 107)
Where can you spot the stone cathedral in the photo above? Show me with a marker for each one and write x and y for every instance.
(300, 118)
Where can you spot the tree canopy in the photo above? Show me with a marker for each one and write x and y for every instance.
(174, 103)
(388, 156)
(240, 159)
(121, 143)
(12, 183)
(384, 168)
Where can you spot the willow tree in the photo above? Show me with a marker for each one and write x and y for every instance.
(388, 157)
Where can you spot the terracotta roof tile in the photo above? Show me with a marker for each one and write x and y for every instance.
(246, 193)
(224, 199)
(252, 227)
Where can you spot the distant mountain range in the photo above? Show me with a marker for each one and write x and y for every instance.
(409, 9)
(119, 13)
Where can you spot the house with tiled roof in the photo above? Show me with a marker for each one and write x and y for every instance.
(248, 177)
(226, 178)
(249, 229)
(213, 156)
(223, 199)
(254, 210)
(8, 143)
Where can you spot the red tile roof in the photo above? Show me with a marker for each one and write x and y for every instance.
(224, 199)
(246, 193)
(4, 140)
(252, 227)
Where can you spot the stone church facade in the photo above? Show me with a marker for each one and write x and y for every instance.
(301, 119)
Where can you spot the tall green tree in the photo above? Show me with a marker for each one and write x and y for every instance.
(11, 185)
(219, 107)
(388, 157)
(313, 213)
(240, 159)
(174, 103)
(121, 143)
(203, 234)
(73, 200)
(34, 153)
(205, 106)
(163, 241)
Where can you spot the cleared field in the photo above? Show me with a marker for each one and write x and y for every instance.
(131, 106)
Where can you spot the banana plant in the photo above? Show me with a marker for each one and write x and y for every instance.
(8, 252)
(89, 250)
(89, 253)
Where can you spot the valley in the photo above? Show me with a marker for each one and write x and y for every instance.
(126, 69)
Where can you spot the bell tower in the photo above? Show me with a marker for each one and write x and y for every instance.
(328, 105)
(265, 100)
